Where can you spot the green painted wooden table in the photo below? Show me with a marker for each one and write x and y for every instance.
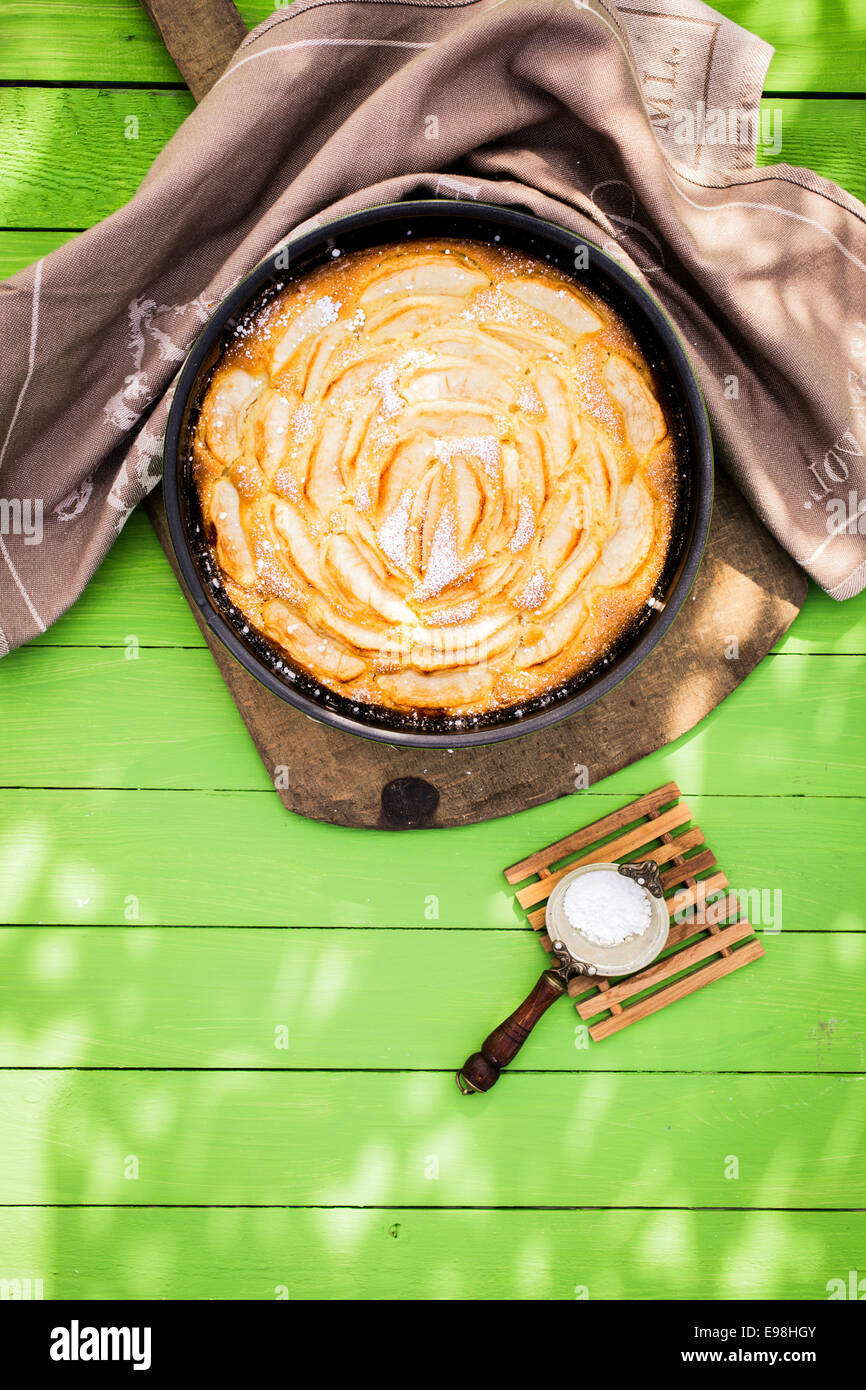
(226, 1064)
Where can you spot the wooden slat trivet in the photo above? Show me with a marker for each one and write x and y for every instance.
(714, 942)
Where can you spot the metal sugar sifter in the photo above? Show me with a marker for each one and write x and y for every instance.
(574, 954)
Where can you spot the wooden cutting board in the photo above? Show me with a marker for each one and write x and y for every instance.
(747, 593)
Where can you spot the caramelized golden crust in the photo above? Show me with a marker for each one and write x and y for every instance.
(437, 476)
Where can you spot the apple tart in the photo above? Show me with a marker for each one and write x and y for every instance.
(436, 476)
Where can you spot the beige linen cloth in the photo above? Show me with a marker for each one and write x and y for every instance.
(633, 125)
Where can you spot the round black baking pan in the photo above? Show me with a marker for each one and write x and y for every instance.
(681, 397)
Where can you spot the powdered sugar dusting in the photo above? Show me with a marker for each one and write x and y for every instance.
(443, 565)
(393, 535)
(525, 528)
(460, 613)
(529, 400)
(301, 422)
(486, 448)
(328, 310)
(386, 384)
(417, 357)
(534, 591)
(363, 499)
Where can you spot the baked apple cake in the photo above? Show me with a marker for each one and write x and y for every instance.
(436, 476)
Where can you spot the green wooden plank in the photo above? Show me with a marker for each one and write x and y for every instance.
(117, 718)
(141, 997)
(824, 135)
(111, 40)
(165, 719)
(818, 48)
(69, 162)
(19, 248)
(210, 858)
(91, 1253)
(323, 1138)
(825, 626)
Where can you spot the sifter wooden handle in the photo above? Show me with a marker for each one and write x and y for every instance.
(200, 35)
(481, 1071)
